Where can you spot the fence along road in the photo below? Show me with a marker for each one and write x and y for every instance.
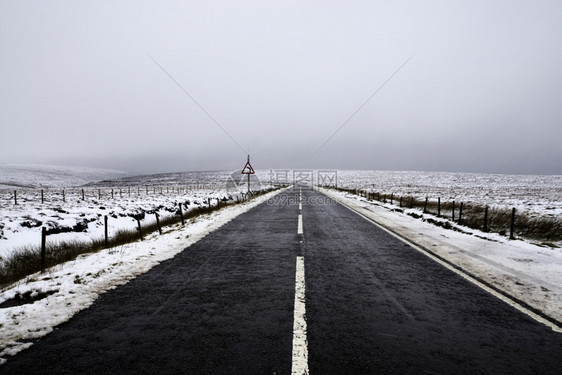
(258, 297)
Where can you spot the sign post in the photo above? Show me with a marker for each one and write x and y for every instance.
(248, 169)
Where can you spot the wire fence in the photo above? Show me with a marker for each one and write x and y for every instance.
(504, 221)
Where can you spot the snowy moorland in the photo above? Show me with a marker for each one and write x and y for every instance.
(535, 195)
(71, 213)
(36, 176)
(75, 219)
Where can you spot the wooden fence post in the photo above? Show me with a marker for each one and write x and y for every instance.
(411, 202)
(392, 198)
(439, 206)
(140, 229)
(158, 223)
(105, 225)
(15, 197)
(400, 201)
(486, 219)
(99, 194)
(512, 227)
(425, 206)
(111, 193)
(63, 196)
(460, 214)
(42, 197)
(181, 215)
(43, 248)
(453, 210)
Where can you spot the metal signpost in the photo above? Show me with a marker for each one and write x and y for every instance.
(248, 169)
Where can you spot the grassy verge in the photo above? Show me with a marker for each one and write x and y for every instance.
(27, 260)
(545, 229)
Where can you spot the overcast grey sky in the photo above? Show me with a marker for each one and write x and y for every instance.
(483, 92)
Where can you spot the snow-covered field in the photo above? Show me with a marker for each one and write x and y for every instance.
(68, 217)
(535, 195)
(36, 176)
(81, 220)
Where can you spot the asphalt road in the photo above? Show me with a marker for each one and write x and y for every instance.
(226, 305)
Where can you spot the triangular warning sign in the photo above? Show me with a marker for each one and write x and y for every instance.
(248, 169)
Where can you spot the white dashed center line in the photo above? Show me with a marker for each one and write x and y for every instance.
(300, 344)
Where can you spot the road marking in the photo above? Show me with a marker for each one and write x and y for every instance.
(466, 276)
(300, 343)
(299, 226)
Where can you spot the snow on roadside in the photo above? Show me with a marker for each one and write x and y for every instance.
(83, 220)
(75, 285)
(527, 272)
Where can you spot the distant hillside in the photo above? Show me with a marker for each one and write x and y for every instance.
(13, 176)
